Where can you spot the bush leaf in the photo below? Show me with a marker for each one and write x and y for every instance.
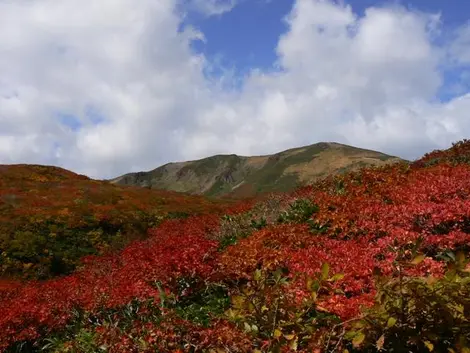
(429, 345)
(418, 259)
(391, 322)
(325, 269)
(357, 341)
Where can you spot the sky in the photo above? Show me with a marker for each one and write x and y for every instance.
(114, 86)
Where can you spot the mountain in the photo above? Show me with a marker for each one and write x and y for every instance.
(239, 176)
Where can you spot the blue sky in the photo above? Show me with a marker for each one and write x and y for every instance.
(246, 37)
(249, 33)
(104, 88)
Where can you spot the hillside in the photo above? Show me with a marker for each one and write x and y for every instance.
(376, 260)
(50, 217)
(238, 176)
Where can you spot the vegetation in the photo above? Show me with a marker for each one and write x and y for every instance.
(50, 218)
(431, 313)
(375, 260)
(458, 154)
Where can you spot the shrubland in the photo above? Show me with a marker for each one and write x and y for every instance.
(370, 261)
(50, 218)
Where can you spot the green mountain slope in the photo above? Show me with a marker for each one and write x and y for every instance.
(239, 176)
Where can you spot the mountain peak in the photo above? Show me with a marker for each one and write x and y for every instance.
(242, 176)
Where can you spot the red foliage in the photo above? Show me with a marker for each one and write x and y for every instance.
(375, 210)
(458, 153)
(364, 217)
(176, 249)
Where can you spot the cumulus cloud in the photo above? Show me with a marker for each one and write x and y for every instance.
(108, 87)
(120, 67)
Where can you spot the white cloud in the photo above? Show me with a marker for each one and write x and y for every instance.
(124, 58)
(211, 7)
(141, 97)
(460, 48)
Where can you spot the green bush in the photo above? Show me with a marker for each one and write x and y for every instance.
(84, 341)
(300, 211)
(418, 314)
(235, 227)
(203, 305)
(268, 311)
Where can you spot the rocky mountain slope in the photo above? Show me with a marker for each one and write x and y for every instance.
(239, 176)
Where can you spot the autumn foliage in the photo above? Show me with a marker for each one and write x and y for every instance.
(375, 260)
(50, 218)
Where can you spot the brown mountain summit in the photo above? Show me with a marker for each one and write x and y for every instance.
(240, 176)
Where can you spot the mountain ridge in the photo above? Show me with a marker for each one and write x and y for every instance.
(237, 176)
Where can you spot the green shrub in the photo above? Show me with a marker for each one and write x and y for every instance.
(83, 341)
(204, 305)
(268, 311)
(415, 314)
(270, 211)
(235, 227)
(300, 211)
